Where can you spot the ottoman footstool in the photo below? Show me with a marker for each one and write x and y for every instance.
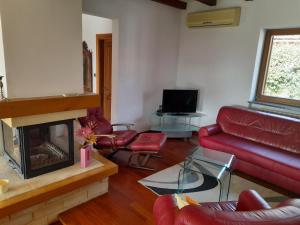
(146, 145)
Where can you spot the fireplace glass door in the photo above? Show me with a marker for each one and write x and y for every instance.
(47, 146)
(12, 147)
(41, 148)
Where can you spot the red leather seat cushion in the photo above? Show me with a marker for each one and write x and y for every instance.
(123, 138)
(280, 161)
(279, 132)
(149, 142)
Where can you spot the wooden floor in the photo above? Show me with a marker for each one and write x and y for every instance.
(127, 202)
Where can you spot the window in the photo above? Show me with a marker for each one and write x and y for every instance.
(279, 77)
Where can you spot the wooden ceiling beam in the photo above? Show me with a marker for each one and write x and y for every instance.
(174, 3)
(208, 2)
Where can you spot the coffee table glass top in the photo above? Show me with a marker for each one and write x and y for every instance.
(217, 158)
(210, 163)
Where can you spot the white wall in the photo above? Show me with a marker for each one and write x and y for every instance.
(220, 61)
(91, 26)
(148, 36)
(42, 43)
(43, 47)
(2, 61)
(2, 72)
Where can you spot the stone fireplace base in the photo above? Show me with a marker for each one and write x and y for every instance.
(39, 200)
(47, 212)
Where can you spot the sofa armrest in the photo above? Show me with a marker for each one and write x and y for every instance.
(111, 136)
(250, 200)
(165, 210)
(209, 130)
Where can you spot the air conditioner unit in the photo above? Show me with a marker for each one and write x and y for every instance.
(215, 18)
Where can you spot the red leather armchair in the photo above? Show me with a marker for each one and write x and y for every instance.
(250, 209)
(108, 138)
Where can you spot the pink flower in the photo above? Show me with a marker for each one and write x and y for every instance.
(84, 132)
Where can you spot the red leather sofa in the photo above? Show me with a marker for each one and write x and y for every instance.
(250, 209)
(266, 146)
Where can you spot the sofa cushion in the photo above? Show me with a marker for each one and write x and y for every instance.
(280, 161)
(276, 131)
(269, 176)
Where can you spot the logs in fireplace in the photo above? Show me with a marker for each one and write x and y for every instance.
(37, 149)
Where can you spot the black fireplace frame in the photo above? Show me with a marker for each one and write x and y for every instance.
(25, 168)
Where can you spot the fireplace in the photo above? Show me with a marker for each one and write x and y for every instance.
(37, 149)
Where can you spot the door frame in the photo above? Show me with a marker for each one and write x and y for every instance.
(99, 38)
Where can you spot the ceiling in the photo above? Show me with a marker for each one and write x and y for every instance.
(182, 4)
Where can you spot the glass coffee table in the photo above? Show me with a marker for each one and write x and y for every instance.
(213, 166)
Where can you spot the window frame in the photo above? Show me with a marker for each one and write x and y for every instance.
(264, 65)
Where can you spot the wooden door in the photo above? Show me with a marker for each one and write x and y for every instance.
(104, 72)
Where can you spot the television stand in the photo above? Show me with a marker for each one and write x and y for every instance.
(175, 125)
(179, 114)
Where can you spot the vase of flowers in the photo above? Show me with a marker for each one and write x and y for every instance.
(88, 139)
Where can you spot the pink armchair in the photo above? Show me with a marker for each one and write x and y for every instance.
(250, 209)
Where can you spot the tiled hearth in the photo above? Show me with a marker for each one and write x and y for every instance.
(39, 200)
(47, 211)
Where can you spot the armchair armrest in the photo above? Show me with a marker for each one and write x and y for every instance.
(209, 130)
(127, 125)
(250, 200)
(195, 215)
(111, 136)
(165, 210)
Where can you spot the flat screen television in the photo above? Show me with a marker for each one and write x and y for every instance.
(179, 101)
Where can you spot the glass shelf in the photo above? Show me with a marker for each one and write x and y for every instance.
(175, 128)
(168, 122)
(176, 115)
